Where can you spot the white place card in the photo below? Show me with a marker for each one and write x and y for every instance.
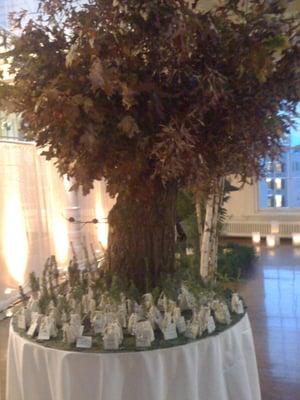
(84, 342)
(211, 326)
(81, 330)
(191, 331)
(142, 342)
(240, 307)
(111, 343)
(110, 317)
(99, 325)
(21, 321)
(170, 332)
(32, 329)
(44, 333)
(181, 325)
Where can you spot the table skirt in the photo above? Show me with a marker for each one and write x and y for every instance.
(221, 367)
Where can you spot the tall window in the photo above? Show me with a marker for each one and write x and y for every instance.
(8, 6)
(9, 127)
(281, 186)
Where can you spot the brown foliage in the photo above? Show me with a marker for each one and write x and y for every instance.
(135, 90)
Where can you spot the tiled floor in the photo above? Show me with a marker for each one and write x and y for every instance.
(273, 296)
(272, 293)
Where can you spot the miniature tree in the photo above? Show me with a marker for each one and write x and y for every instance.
(152, 96)
(34, 284)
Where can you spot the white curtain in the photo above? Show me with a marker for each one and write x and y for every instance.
(34, 207)
(96, 205)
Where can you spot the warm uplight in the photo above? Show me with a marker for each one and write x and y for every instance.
(59, 225)
(296, 252)
(15, 243)
(61, 239)
(102, 226)
(271, 241)
(257, 249)
(296, 239)
(274, 227)
(8, 290)
(256, 237)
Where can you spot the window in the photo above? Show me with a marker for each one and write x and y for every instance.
(269, 166)
(296, 166)
(270, 183)
(270, 201)
(279, 200)
(279, 167)
(9, 127)
(281, 186)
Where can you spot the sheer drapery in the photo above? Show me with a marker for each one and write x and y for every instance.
(96, 205)
(34, 207)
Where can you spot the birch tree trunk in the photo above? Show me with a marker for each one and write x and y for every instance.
(209, 245)
(216, 235)
(198, 219)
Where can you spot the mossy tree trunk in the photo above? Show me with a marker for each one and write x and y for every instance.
(141, 241)
(210, 237)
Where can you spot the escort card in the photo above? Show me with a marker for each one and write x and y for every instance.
(240, 308)
(33, 327)
(211, 326)
(170, 332)
(84, 342)
(181, 325)
(110, 317)
(143, 342)
(99, 325)
(111, 342)
(44, 332)
(81, 329)
(191, 331)
(21, 321)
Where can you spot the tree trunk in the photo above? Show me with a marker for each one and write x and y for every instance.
(215, 244)
(198, 209)
(141, 241)
(209, 246)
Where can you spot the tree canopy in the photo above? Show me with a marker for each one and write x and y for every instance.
(135, 91)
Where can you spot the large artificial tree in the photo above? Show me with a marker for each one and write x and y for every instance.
(153, 96)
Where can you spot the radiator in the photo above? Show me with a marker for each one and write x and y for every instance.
(245, 229)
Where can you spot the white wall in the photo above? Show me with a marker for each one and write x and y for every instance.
(245, 217)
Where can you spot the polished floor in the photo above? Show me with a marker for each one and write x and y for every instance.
(272, 292)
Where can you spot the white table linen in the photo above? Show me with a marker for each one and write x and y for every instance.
(221, 367)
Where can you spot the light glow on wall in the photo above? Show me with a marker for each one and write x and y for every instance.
(102, 226)
(274, 227)
(272, 241)
(15, 242)
(296, 239)
(256, 237)
(60, 239)
(58, 225)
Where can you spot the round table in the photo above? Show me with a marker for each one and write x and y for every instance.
(221, 367)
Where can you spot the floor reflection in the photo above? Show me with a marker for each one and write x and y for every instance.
(273, 297)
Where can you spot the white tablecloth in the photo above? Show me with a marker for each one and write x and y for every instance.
(221, 367)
